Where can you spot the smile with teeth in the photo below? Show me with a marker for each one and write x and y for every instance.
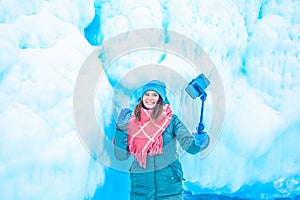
(150, 99)
(150, 103)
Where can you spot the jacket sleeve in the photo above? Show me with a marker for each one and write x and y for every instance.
(184, 137)
(120, 145)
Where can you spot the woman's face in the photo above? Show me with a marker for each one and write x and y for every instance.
(150, 99)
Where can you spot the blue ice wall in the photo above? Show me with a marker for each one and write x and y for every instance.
(254, 45)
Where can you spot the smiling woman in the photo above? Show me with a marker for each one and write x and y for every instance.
(150, 99)
(153, 96)
(150, 135)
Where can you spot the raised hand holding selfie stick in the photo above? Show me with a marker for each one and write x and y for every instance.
(196, 89)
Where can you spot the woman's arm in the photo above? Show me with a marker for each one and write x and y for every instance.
(120, 145)
(120, 141)
(184, 137)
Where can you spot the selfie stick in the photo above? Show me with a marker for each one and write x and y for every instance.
(196, 89)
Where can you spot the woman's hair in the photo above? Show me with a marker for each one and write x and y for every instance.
(157, 110)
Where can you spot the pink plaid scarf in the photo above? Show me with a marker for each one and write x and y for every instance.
(145, 136)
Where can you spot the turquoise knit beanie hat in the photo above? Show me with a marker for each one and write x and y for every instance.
(156, 86)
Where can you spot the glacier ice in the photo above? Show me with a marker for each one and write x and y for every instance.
(254, 45)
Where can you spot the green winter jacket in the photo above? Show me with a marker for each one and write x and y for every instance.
(162, 178)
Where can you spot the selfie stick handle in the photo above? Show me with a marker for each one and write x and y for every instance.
(203, 98)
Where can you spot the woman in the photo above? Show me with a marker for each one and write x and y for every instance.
(151, 134)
